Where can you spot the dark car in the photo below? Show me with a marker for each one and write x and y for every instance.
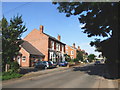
(40, 65)
(64, 63)
(52, 64)
(97, 62)
(46, 64)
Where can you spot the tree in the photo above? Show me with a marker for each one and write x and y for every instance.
(67, 57)
(11, 38)
(0, 38)
(0, 46)
(100, 19)
(91, 57)
(79, 55)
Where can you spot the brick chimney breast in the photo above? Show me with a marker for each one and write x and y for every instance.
(41, 28)
(59, 37)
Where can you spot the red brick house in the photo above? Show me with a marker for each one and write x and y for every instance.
(28, 54)
(71, 51)
(47, 47)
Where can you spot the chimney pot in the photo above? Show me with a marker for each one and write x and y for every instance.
(59, 37)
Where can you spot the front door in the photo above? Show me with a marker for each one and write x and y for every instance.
(18, 59)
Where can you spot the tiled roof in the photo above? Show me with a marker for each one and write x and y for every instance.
(31, 49)
(53, 38)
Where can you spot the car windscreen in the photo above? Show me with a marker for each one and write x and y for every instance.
(44, 62)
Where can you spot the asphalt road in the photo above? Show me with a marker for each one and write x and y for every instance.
(89, 76)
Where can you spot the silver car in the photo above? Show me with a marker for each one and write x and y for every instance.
(46, 64)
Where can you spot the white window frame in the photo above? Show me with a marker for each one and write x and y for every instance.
(66, 47)
(67, 52)
(72, 57)
(72, 52)
(23, 58)
(62, 48)
(52, 45)
(57, 46)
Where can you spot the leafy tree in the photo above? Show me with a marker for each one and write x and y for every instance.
(0, 37)
(91, 57)
(0, 47)
(67, 57)
(11, 38)
(79, 55)
(100, 19)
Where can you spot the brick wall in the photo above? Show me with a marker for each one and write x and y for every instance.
(39, 40)
(69, 49)
(26, 54)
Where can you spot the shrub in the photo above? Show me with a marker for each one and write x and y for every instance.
(75, 60)
(14, 66)
(10, 75)
(71, 60)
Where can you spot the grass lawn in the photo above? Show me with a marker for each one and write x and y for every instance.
(9, 75)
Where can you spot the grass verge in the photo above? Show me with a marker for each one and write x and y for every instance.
(9, 75)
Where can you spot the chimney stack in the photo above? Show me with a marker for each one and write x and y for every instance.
(78, 47)
(59, 37)
(41, 28)
(73, 45)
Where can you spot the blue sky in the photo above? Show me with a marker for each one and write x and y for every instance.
(35, 14)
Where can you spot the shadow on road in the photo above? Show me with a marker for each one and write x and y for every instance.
(29, 69)
(100, 70)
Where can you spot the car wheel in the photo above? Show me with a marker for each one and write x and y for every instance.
(45, 68)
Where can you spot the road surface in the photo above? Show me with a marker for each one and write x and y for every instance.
(89, 76)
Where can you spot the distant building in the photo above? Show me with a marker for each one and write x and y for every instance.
(41, 46)
(85, 55)
(71, 51)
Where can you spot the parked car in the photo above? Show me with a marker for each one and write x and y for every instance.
(97, 62)
(52, 64)
(64, 63)
(40, 65)
(46, 64)
(55, 64)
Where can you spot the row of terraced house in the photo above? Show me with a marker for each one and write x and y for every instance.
(38, 45)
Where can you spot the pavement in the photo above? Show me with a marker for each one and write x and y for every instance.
(31, 73)
(87, 76)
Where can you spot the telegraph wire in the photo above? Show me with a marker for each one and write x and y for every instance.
(16, 8)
